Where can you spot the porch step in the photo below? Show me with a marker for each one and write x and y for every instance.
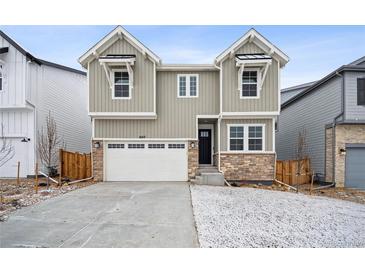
(208, 176)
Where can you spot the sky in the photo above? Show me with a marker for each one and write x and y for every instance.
(314, 51)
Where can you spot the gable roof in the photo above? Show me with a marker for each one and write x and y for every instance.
(36, 60)
(119, 31)
(255, 37)
(297, 87)
(360, 61)
(325, 79)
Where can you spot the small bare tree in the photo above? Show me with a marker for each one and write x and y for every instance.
(301, 152)
(48, 144)
(6, 148)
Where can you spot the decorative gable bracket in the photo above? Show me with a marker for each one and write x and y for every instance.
(110, 61)
(253, 60)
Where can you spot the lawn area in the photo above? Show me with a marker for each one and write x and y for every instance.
(249, 217)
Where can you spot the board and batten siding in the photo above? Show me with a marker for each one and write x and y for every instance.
(352, 110)
(142, 94)
(176, 117)
(232, 102)
(266, 122)
(15, 76)
(310, 113)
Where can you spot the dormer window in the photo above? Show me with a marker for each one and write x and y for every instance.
(252, 73)
(121, 86)
(187, 85)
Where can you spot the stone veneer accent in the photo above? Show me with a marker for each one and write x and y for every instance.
(193, 159)
(248, 167)
(97, 160)
(346, 134)
(328, 164)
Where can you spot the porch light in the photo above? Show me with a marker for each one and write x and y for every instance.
(25, 140)
(97, 145)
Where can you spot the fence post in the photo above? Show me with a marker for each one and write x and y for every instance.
(36, 178)
(60, 163)
(17, 176)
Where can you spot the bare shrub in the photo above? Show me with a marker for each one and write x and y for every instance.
(7, 150)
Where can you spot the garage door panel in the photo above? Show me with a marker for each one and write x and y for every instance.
(146, 164)
(355, 167)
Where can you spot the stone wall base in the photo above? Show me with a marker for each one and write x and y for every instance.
(248, 167)
(193, 159)
(98, 161)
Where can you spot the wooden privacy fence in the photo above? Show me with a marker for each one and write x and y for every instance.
(287, 171)
(75, 165)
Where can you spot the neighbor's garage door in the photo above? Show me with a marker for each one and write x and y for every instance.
(146, 161)
(355, 166)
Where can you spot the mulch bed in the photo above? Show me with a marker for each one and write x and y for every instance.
(346, 194)
(14, 196)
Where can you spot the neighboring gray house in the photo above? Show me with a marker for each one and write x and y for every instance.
(153, 121)
(288, 93)
(332, 113)
(29, 89)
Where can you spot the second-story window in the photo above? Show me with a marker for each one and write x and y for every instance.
(361, 91)
(187, 85)
(121, 88)
(250, 81)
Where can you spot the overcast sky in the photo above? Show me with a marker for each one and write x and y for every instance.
(314, 51)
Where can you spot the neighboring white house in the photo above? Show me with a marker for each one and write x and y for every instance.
(29, 89)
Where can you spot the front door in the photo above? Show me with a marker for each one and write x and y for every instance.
(205, 146)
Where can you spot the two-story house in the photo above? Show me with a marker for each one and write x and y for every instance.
(331, 112)
(157, 122)
(30, 88)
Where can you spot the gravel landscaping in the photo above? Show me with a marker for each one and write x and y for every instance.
(248, 217)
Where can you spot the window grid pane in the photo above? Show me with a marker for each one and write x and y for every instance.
(236, 135)
(121, 84)
(255, 137)
(193, 86)
(182, 86)
(249, 83)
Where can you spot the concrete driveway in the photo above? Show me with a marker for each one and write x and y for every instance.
(136, 214)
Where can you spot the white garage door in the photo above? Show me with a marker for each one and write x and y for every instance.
(147, 161)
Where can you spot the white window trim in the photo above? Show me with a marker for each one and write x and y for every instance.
(246, 138)
(113, 86)
(258, 84)
(187, 85)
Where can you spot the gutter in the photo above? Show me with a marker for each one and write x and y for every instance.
(220, 113)
(334, 123)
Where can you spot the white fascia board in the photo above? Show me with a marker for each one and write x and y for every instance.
(123, 115)
(118, 61)
(16, 107)
(178, 67)
(269, 114)
(145, 139)
(249, 152)
(120, 32)
(207, 116)
(261, 42)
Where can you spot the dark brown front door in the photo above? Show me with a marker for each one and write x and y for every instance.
(205, 146)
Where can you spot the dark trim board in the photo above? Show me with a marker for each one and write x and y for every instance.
(4, 50)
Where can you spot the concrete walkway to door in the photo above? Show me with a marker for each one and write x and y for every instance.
(125, 214)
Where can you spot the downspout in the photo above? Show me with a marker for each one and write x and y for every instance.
(334, 123)
(220, 113)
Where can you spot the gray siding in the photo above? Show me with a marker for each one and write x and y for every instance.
(352, 110)
(176, 116)
(231, 96)
(268, 131)
(311, 113)
(285, 96)
(142, 93)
